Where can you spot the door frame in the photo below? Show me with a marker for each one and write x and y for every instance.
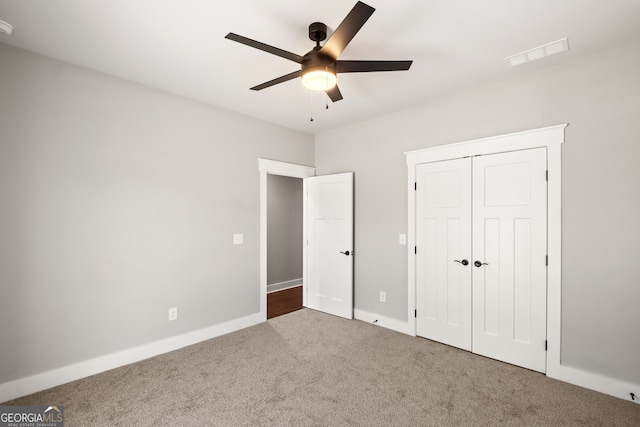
(273, 167)
(550, 137)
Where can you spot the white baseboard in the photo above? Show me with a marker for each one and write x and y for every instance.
(283, 285)
(600, 383)
(24, 386)
(385, 322)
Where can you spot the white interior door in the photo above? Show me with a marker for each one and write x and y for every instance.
(329, 249)
(443, 227)
(509, 252)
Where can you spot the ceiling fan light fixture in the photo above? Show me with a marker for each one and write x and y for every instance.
(319, 78)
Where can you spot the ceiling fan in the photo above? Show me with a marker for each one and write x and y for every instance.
(319, 66)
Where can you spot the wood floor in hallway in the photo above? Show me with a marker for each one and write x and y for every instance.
(284, 301)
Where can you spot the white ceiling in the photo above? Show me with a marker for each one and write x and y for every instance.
(179, 46)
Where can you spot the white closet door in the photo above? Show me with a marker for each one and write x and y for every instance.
(509, 239)
(443, 227)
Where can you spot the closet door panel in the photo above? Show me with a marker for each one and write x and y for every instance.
(509, 246)
(443, 229)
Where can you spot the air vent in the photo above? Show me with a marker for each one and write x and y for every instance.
(540, 52)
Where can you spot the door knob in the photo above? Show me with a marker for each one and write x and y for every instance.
(480, 264)
(463, 262)
(347, 253)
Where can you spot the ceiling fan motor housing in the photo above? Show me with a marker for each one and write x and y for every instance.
(315, 59)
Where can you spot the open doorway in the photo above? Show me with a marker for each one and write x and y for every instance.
(270, 169)
(284, 244)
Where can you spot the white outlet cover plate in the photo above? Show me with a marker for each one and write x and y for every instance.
(238, 239)
(402, 239)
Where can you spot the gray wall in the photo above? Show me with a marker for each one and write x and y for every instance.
(118, 201)
(284, 229)
(600, 99)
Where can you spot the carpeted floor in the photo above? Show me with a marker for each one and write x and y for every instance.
(311, 369)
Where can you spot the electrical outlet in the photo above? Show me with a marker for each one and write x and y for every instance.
(173, 313)
(383, 296)
(402, 239)
(238, 239)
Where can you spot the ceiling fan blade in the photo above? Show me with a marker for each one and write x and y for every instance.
(264, 47)
(366, 66)
(347, 29)
(334, 94)
(281, 79)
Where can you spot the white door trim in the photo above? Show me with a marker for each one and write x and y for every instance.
(272, 167)
(550, 137)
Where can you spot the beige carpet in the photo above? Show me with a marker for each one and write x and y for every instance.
(311, 369)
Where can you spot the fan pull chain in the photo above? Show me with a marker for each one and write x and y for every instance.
(326, 106)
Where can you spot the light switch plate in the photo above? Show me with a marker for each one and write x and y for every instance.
(238, 239)
(402, 239)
